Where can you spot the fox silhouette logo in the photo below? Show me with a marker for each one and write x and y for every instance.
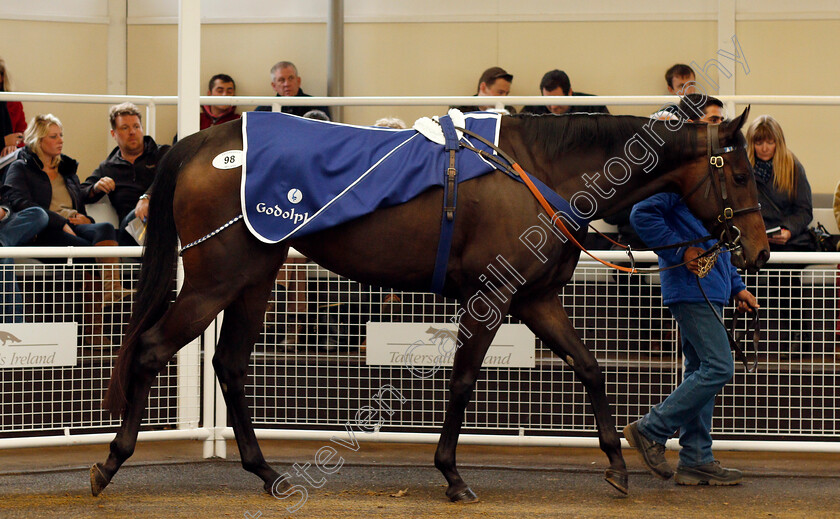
(6, 336)
(439, 334)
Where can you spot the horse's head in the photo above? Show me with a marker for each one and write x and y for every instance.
(720, 190)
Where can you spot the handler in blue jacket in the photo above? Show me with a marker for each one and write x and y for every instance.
(661, 220)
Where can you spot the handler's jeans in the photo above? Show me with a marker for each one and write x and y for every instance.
(708, 367)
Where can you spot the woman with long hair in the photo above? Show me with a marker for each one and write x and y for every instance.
(783, 188)
(44, 177)
(785, 197)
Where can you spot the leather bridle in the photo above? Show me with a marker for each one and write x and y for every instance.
(730, 237)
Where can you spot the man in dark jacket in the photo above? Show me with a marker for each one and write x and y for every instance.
(126, 175)
(286, 82)
(663, 220)
(556, 83)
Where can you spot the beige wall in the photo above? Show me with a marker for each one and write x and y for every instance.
(798, 58)
(610, 58)
(62, 58)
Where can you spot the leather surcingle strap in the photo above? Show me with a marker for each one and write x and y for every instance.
(450, 201)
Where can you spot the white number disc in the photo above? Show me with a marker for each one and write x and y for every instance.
(228, 160)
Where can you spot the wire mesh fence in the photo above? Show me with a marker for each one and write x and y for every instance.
(67, 399)
(309, 369)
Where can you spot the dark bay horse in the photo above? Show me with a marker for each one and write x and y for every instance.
(613, 161)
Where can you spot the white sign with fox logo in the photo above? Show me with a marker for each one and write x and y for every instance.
(30, 345)
(417, 344)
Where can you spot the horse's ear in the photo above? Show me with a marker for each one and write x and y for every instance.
(736, 124)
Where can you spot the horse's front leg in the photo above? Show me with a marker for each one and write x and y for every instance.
(474, 339)
(548, 320)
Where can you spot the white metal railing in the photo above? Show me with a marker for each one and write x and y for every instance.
(212, 413)
(152, 102)
(624, 324)
(289, 395)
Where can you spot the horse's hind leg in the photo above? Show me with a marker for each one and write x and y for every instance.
(242, 326)
(188, 316)
(549, 321)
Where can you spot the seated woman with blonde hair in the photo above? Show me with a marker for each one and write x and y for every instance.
(785, 197)
(44, 177)
(783, 188)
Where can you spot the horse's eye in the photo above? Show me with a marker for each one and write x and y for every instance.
(741, 179)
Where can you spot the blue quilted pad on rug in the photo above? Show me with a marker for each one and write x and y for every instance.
(302, 176)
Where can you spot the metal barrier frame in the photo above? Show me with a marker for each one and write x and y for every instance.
(213, 430)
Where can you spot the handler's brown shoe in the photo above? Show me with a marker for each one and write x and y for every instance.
(652, 453)
(708, 474)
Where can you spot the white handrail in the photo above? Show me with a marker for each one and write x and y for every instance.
(416, 100)
(803, 258)
(85, 252)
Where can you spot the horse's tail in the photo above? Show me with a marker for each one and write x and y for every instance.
(157, 279)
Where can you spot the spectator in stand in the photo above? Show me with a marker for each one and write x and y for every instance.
(785, 197)
(16, 228)
(699, 108)
(391, 122)
(44, 177)
(12, 119)
(286, 82)
(126, 175)
(556, 83)
(495, 81)
(211, 115)
(681, 81)
(783, 188)
(318, 115)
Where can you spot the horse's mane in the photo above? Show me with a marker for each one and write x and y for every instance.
(556, 135)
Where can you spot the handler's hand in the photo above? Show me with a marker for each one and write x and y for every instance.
(141, 210)
(105, 185)
(67, 229)
(690, 256)
(746, 301)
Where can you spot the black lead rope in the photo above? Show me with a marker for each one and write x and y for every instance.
(733, 335)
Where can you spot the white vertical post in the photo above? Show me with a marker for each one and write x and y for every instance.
(335, 55)
(151, 119)
(117, 47)
(189, 66)
(221, 406)
(189, 53)
(209, 390)
(117, 54)
(726, 29)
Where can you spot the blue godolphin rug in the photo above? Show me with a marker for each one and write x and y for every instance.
(302, 176)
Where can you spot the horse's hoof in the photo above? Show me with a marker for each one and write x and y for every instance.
(278, 487)
(618, 479)
(98, 481)
(466, 496)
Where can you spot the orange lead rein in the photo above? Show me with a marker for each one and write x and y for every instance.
(560, 225)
